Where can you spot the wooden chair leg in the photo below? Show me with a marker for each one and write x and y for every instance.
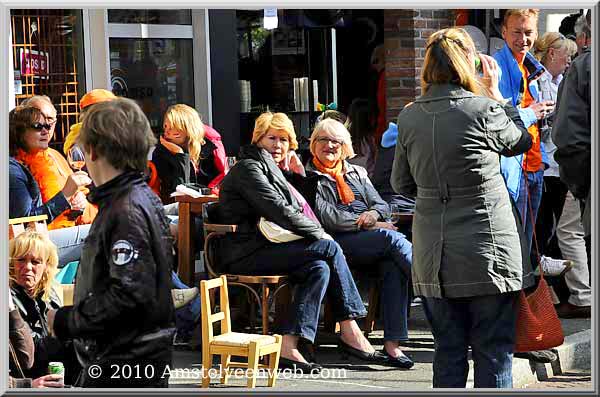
(329, 324)
(282, 304)
(265, 308)
(206, 366)
(374, 292)
(274, 363)
(252, 364)
(225, 359)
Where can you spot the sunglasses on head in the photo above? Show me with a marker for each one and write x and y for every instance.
(40, 126)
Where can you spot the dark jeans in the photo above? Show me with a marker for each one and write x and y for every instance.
(551, 206)
(391, 252)
(487, 324)
(315, 268)
(532, 189)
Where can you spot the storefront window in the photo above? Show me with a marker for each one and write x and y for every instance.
(156, 73)
(157, 17)
(47, 56)
(287, 69)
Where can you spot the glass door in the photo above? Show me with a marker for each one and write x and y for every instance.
(151, 59)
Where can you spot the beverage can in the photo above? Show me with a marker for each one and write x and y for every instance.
(56, 367)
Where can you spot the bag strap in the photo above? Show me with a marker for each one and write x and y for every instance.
(13, 355)
(537, 249)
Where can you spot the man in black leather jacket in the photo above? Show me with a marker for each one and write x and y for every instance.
(122, 318)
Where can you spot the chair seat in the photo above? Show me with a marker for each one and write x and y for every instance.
(248, 279)
(237, 339)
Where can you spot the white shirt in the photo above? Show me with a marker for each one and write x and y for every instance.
(547, 83)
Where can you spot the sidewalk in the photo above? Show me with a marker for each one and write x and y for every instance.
(343, 375)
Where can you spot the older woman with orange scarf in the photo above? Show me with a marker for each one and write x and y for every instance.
(50, 170)
(56, 193)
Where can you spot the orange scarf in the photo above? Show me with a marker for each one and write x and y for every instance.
(344, 190)
(50, 170)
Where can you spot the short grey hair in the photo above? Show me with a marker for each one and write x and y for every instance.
(581, 26)
(338, 130)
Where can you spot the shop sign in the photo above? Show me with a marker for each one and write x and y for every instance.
(34, 63)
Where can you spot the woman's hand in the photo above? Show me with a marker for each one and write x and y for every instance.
(367, 219)
(78, 201)
(74, 182)
(51, 380)
(384, 225)
(491, 77)
(292, 163)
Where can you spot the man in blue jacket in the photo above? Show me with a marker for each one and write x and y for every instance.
(524, 174)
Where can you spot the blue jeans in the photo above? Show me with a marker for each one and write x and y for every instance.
(315, 268)
(69, 242)
(187, 316)
(392, 253)
(487, 324)
(535, 182)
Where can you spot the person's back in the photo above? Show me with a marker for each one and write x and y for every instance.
(450, 147)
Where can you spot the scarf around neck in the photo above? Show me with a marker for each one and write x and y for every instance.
(344, 191)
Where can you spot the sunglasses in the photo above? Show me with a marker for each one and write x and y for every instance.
(40, 126)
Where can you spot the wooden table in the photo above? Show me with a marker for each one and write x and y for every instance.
(189, 207)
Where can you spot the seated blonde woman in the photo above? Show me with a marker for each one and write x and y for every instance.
(32, 267)
(256, 187)
(351, 210)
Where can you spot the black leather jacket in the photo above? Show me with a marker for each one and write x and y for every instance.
(123, 310)
(256, 187)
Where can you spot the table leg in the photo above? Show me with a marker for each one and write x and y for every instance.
(185, 244)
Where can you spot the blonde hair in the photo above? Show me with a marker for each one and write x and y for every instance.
(336, 129)
(276, 121)
(552, 40)
(186, 119)
(32, 242)
(521, 12)
(446, 60)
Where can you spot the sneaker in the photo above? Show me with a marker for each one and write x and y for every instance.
(554, 267)
(182, 297)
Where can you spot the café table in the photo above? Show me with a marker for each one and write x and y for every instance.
(189, 208)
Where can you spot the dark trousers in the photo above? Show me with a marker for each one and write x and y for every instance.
(551, 206)
(487, 324)
(389, 253)
(314, 268)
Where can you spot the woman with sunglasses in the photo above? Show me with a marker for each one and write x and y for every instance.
(29, 136)
(50, 169)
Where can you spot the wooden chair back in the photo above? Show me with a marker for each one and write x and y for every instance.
(17, 226)
(208, 317)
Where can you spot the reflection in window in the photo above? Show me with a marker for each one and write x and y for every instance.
(157, 17)
(156, 73)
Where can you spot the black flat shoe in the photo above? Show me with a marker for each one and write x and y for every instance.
(400, 362)
(374, 358)
(307, 368)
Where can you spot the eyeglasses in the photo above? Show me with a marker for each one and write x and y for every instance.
(40, 126)
(325, 140)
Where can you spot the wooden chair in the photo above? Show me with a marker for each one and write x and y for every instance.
(230, 343)
(263, 288)
(17, 226)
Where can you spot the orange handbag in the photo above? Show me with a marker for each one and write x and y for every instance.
(538, 326)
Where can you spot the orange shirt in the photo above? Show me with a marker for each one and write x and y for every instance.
(532, 160)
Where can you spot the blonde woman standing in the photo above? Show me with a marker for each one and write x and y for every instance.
(468, 261)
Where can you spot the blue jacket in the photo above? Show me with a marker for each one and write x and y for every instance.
(510, 87)
(25, 198)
